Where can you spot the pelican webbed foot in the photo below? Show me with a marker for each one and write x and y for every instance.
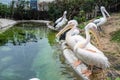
(87, 72)
(76, 63)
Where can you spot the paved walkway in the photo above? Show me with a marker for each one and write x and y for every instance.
(7, 23)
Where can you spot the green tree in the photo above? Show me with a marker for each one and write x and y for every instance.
(4, 10)
(74, 7)
(12, 5)
(21, 9)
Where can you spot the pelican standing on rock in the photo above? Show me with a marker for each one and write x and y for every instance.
(89, 54)
(60, 22)
(103, 19)
(82, 47)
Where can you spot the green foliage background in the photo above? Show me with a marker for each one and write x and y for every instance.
(76, 9)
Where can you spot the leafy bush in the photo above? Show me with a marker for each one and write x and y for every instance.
(81, 17)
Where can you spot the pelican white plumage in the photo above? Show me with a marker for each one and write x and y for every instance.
(103, 19)
(84, 50)
(60, 22)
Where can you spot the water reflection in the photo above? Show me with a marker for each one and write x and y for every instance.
(30, 50)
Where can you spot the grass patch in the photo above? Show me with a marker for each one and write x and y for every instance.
(114, 79)
(115, 36)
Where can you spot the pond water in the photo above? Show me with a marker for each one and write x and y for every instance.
(29, 50)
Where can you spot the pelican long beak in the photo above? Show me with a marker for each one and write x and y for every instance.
(107, 13)
(94, 31)
(68, 26)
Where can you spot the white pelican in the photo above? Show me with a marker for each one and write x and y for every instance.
(60, 22)
(90, 54)
(82, 47)
(103, 19)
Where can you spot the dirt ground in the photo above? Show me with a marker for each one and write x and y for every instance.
(110, 48)
(113, 24)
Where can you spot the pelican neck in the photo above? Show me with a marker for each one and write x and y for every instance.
(87, 40)
(103, 13)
